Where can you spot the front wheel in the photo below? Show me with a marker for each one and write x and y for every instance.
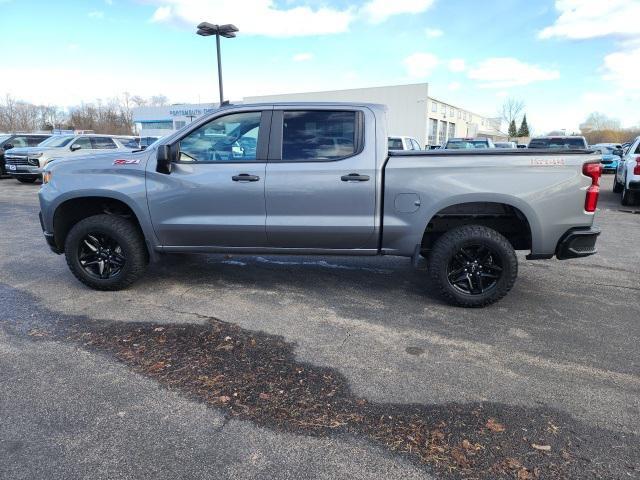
(106, 252)
(473, 266)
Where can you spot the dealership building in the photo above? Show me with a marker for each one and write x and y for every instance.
(412, 112)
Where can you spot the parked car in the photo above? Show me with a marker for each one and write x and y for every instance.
(321, 181)
(25, 164)
(627, 179)
(434, 147)
(567, 142)
(7, 142)
(403, 143)
(521, 145)
(505, 144)
(611, 155)
(468, 143)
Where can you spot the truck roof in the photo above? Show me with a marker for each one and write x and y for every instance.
(372, 106)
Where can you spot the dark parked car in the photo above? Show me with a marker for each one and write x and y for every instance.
(567, 141)
(8, 142)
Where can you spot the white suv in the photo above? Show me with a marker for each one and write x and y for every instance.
(24, 164)
(627, 179)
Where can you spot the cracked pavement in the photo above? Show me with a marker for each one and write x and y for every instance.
(566, 338)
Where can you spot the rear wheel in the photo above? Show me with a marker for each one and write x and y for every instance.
(628, 197)
(473, 266)
(617, 186)
(106, 252)
(26, 180)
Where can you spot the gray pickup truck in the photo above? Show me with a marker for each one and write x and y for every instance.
(318, 179)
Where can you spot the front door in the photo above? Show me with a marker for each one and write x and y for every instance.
(214, 196)
(321, 180)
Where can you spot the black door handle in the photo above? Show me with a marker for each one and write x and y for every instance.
(355, 177)
(245, 177)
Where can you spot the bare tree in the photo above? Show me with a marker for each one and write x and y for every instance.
(138, 101)
(158, 101)
(600, 121)
(510, 112)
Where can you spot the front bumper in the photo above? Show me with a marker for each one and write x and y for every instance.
(577, 242)
(51, 241)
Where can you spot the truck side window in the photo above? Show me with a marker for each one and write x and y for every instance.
(232, 138)
(318, 135)
(83, 143)
(103, 143)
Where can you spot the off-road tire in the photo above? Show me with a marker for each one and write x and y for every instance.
(460, 237)
(125, 233)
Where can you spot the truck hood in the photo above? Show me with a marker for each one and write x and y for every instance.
(32, 150)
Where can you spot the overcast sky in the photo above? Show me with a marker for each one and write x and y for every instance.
(565, 59)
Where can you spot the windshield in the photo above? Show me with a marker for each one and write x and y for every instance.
(4, 137)
(464, 144)
(57, 141)
(560, 142)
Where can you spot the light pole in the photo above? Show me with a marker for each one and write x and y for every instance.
(207, 29)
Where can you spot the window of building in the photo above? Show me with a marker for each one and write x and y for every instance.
(452, 130)
(318, 135)
(231, 138)
(442, 132)
(434, 107)
(432, 132)
(158, 125)
(451, 112)
(459, 114)
(178, 124)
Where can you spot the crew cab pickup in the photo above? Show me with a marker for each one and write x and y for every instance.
(319, 179)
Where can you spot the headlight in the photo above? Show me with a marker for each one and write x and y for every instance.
(33, 161)
(46, 177)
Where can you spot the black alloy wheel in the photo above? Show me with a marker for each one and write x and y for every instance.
(101, 256)
(474, 269)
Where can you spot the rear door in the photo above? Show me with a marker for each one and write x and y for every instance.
(321, 179)
(214, 196)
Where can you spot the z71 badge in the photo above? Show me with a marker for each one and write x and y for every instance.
(122, 161)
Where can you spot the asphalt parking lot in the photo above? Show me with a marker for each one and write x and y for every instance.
(556, 364)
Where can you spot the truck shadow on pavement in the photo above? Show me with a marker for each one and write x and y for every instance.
(255, 376)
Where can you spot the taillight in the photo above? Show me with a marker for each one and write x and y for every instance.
(593, 171)
(636, 169)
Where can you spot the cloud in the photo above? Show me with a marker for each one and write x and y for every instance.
(420, 64)
(457, 65)
(623, 69)
(302, 57)
(582, 19)
(96, 14)
(506, 72)
(379, 10)
(433, 32)
(255, 17)
(454, 86)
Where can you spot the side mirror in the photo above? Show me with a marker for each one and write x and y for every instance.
(75, 147)
(8, 146)
(164, 159)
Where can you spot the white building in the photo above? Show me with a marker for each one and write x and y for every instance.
(161, 121)
(412, 112)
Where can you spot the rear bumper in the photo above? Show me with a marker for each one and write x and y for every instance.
(578, 242)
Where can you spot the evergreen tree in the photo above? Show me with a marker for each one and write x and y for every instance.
(513, 130)
(524, 128)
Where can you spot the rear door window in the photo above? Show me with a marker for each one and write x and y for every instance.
(319, 135)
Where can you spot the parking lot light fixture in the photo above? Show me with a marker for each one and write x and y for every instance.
(206, 29)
